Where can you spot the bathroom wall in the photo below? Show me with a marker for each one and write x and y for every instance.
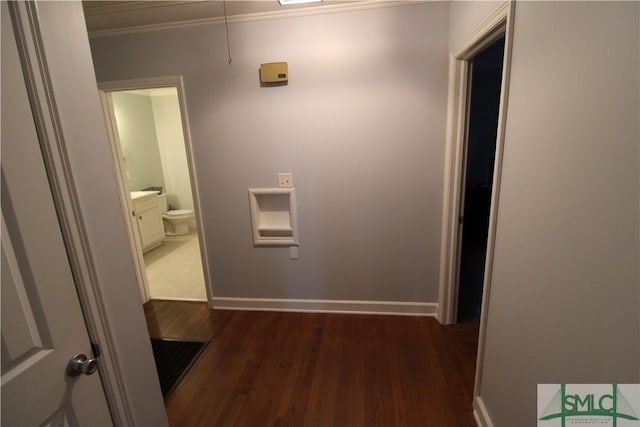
(361, 125)
(138, 139)
(168, 123)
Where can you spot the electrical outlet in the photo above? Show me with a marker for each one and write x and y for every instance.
(285, 180)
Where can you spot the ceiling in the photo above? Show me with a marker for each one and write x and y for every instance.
(108, 16)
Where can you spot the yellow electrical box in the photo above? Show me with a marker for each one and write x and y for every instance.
(274, 72)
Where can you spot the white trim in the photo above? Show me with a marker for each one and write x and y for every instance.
(498, 23)
(484, 34)
(108, 7)
(459, 69)
(480, 413)
(443, 291)
(454, 167)
(140, 84)
(509, 11)
(179, 299)
(253, 17)
(177, 82)
(327, 306)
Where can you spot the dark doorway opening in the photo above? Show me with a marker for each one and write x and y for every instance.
(484, 105)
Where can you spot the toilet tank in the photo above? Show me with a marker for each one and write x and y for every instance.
(162, 202)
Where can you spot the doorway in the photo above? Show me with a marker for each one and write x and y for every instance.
(497, 28)
(151, 153)
(484, 105)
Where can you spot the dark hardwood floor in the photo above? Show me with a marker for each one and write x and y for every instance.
(181, 320)
(299, 369)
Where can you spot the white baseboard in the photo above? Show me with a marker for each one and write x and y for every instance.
(327, 306)
(480, 413)
(178, 299)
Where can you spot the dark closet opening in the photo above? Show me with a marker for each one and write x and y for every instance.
(484, 104)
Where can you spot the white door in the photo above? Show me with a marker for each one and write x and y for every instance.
(42, 323)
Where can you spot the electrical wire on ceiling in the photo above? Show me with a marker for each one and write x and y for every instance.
(226, 26)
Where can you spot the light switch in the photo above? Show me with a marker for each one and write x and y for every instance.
(285, 180)
(293, 252)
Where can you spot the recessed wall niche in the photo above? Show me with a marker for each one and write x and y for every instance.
(273, 216)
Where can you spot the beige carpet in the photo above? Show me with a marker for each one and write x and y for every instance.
(174, 269)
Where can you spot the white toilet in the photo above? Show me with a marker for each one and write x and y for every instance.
(176, 221)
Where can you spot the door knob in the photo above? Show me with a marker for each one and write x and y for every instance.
(81, 364)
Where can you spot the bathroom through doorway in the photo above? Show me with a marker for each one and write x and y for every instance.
(152, 157)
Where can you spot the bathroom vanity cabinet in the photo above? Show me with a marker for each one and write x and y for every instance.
(148, 219)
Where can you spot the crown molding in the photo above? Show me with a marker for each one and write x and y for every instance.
(252, 17)
(105, 7)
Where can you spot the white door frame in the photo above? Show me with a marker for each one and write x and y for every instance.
(499, 23)
(52, 56)
(105, 89)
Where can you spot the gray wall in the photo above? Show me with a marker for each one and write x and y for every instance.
(137, 132)
(361, 125)
(565, 291)
(466, 16)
